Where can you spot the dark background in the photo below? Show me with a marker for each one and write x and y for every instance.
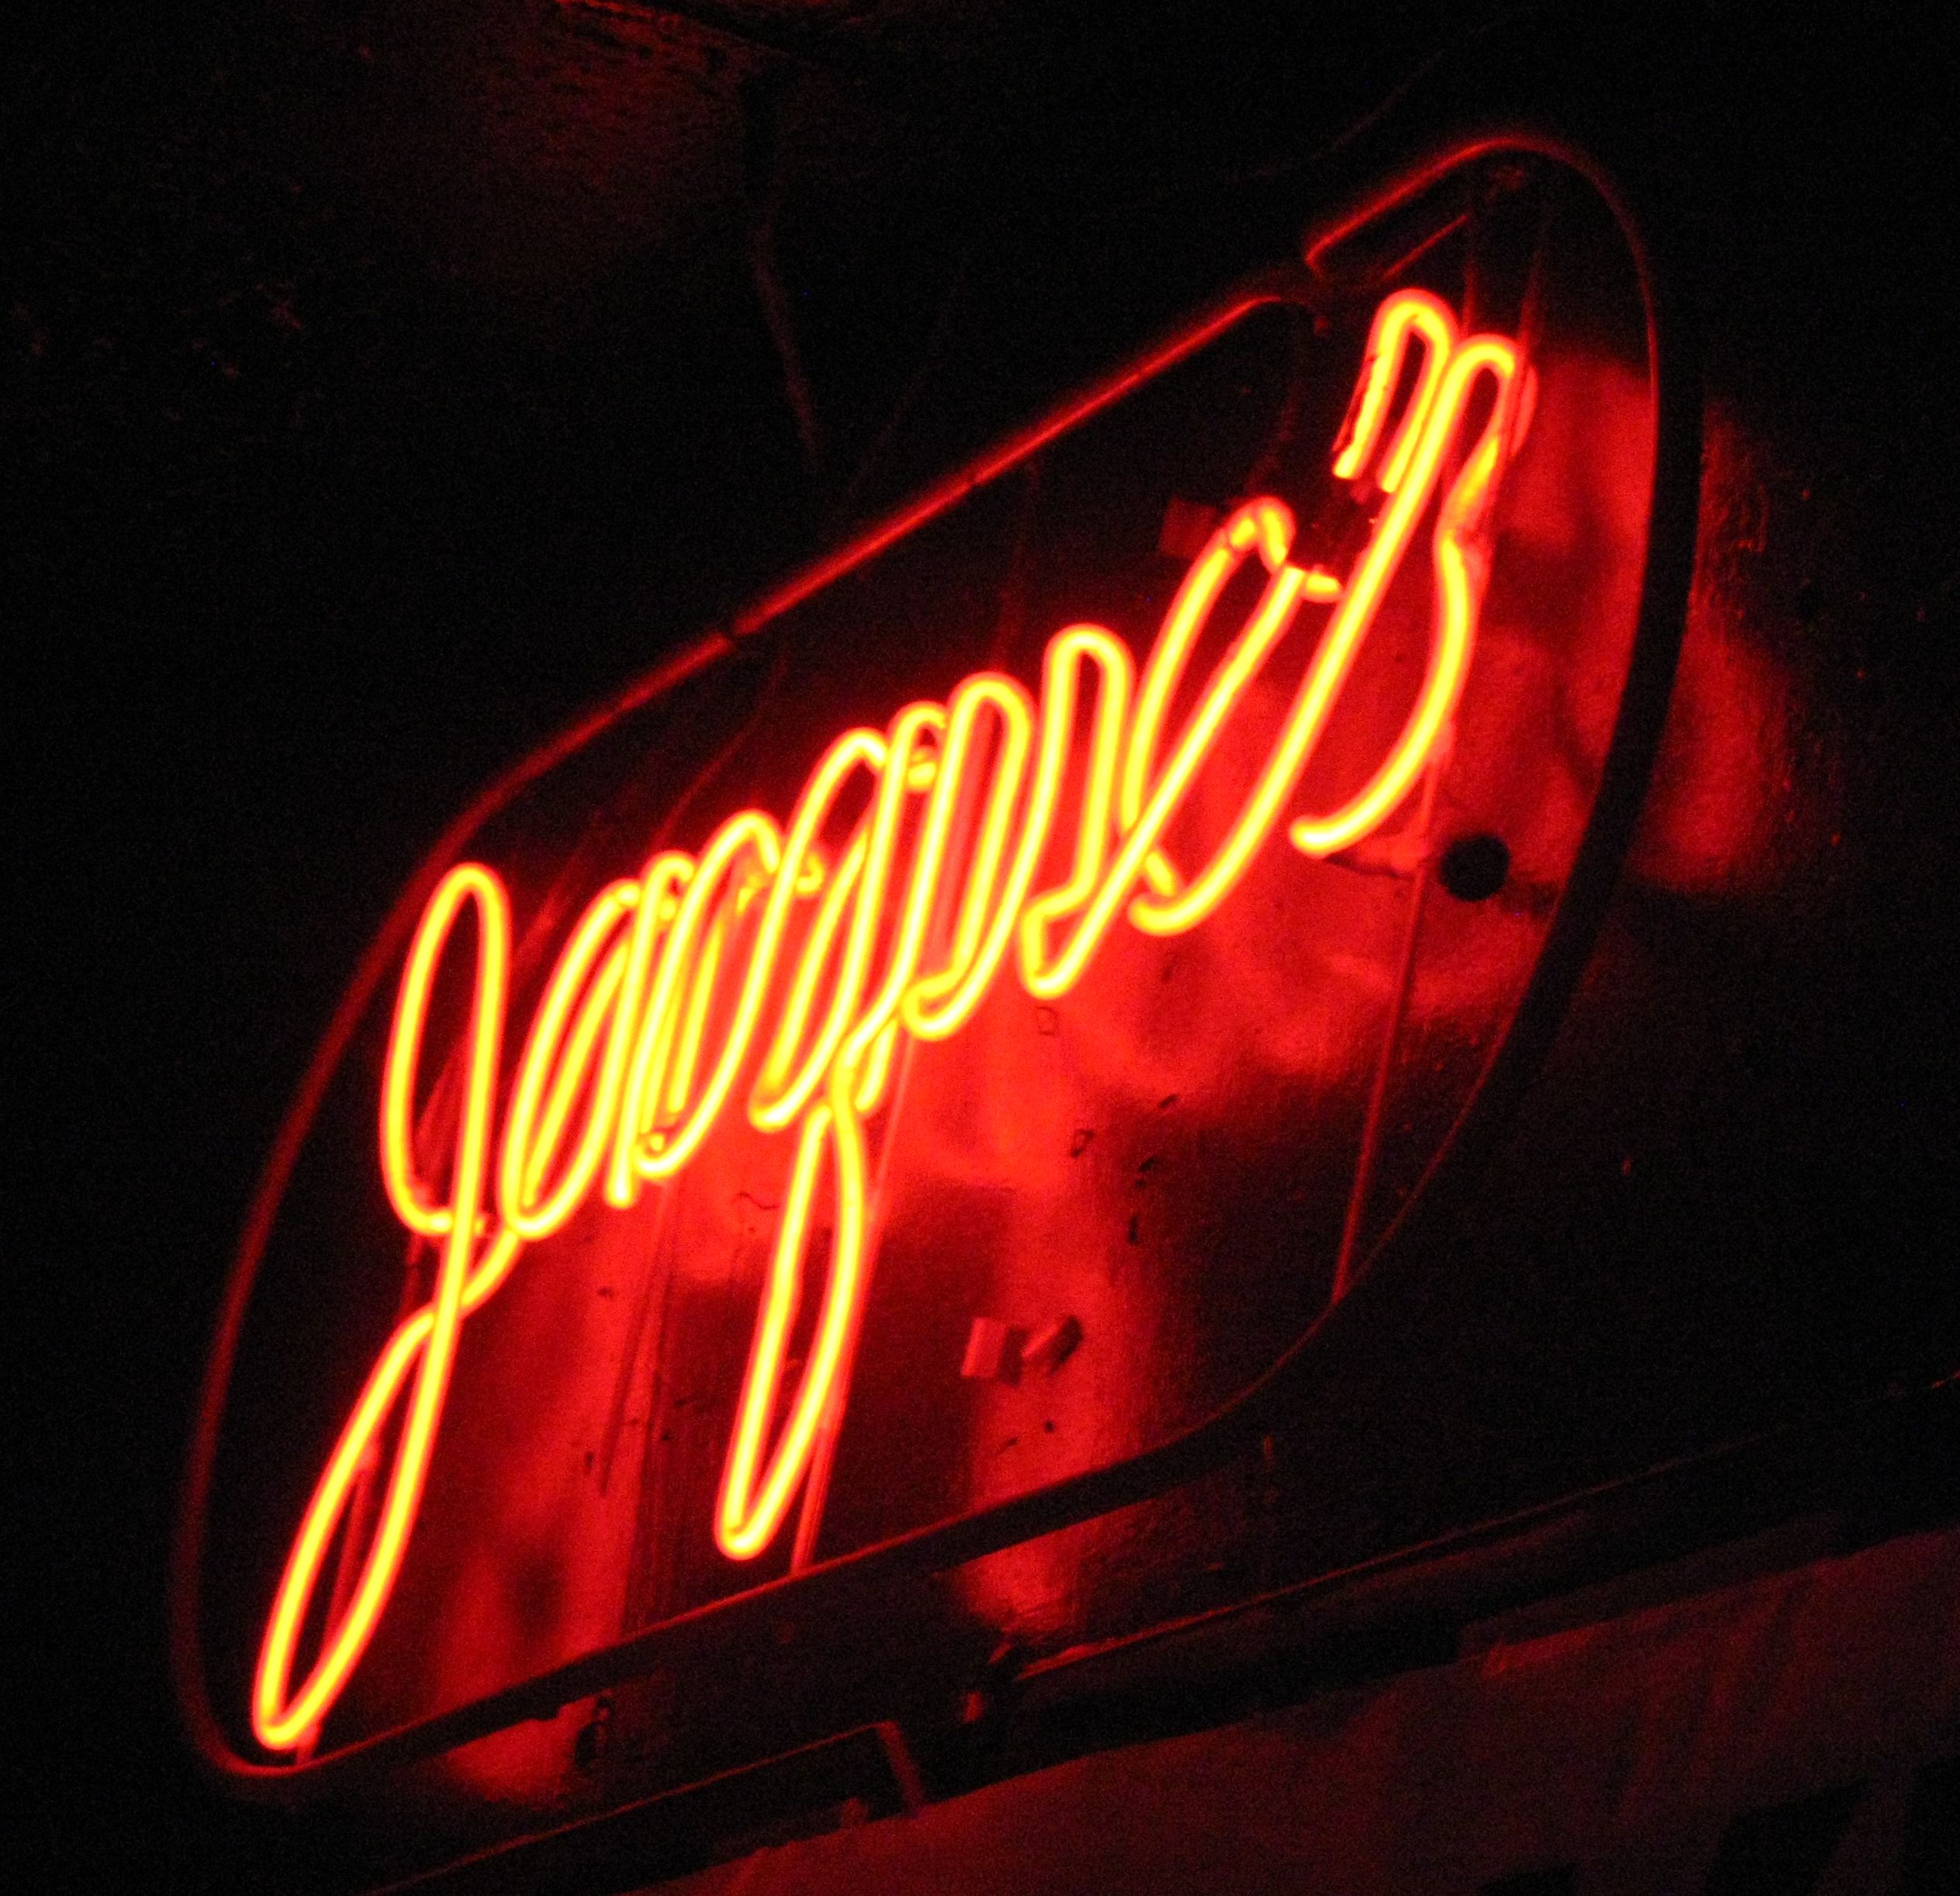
(384, 382)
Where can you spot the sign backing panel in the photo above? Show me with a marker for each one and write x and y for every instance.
(1039, 1244)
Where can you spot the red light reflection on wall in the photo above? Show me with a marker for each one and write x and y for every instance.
(783, 962)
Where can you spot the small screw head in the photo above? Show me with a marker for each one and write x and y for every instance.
(1474, 868)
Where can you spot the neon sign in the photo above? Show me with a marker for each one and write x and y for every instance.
(780, 968)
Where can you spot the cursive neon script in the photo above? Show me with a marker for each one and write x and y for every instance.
(780, 966)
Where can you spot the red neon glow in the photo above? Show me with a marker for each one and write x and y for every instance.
(796, 955)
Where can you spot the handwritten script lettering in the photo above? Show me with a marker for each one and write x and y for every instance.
(778, 967)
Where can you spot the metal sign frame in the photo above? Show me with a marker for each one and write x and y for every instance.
(849, 1583)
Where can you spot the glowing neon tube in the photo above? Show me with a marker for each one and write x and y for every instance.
(780, 966)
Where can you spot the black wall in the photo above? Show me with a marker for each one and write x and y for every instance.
(382, 382)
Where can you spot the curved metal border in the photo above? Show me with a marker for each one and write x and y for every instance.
(1672, 515)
